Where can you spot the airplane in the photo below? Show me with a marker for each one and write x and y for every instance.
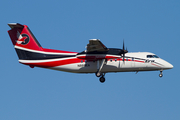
(97, 58)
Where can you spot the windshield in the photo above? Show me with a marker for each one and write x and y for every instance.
(152, 56)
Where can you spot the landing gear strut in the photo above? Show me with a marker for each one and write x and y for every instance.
(161, 74)
(100, 64)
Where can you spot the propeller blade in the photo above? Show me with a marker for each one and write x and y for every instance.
(123, 57)
(124, 51)
(123, 44)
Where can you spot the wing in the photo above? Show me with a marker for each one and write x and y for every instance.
(96, 45)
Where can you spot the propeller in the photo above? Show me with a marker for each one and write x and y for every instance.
(124, 51)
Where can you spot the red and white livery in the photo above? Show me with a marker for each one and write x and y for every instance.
(97, 58)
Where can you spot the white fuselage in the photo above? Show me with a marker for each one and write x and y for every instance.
(136, 61)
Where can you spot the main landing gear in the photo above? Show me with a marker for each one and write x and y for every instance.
(102, 79)
(161, 74)
(100, 64)
(101, 75)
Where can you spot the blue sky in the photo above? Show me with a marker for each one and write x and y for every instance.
(149, 26)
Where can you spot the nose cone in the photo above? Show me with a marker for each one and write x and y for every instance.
(167, 65)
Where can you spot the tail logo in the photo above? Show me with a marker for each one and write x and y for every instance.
(23, 39)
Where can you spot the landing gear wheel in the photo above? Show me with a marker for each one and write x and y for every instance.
(161, 74)
(102, 79)
(98, 74)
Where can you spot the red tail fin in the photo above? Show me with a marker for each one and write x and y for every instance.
(30, 51)
(21, 36)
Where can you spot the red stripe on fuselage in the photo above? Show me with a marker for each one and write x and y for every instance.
(155, 65)
(139, 61)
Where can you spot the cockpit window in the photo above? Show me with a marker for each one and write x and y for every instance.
(149, 56)
(155, 56)
(152, 56)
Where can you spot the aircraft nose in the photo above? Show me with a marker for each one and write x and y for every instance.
(168, 65)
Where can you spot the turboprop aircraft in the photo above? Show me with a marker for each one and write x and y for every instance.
(97, 58)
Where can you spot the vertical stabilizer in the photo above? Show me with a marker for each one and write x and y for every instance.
(23, 40)
(21, 36)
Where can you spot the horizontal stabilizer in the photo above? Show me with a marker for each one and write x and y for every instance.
(17, 25)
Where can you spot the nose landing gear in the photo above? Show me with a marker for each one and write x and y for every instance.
(161, 74)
